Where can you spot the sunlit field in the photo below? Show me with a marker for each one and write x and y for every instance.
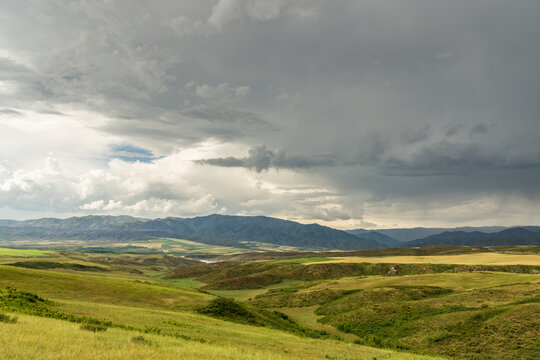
(463, 259)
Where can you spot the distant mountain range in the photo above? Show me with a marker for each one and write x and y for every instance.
(212, 229)
(377, 236)
(409, 234)
(239, 231)
(512, 236)
(461, 236)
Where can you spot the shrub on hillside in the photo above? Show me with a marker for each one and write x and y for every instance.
(93, 327)
(140, 340)
(8, 319)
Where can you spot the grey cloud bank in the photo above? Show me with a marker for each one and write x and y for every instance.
(373, 112)
(260, 158)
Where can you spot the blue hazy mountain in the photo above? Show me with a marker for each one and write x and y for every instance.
(212, 229)
(511, 236)
(377, 236)
(409, 234)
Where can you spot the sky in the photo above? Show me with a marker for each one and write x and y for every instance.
(351, 114)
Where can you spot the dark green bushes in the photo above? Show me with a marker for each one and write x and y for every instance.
(31, 304)
(277, 298)
(44, 265)
(231, 310)
(140, 340)
(93, 327)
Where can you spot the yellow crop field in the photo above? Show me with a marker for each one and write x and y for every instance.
(462, 259)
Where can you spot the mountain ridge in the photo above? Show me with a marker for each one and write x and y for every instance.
(212, 229)
(512, 236)
(240, 231)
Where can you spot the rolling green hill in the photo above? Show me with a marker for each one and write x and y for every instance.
(61, 304)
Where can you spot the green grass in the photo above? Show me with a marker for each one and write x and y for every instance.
(306, 317)
(189, 283)
(7, 319)
(454, 281)
(109, 331)
(231, 310)
(423, 251)
(57, 285)
(259, 275)
(452, 314)
(23, 252)
(242, 295)
(248, 294)
(41, 338)
(132, 310)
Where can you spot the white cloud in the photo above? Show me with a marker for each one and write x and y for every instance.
(146, 189)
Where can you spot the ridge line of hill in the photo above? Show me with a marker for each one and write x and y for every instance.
(240, 231)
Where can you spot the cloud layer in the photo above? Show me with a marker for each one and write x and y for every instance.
(260, 158)
(349, 113)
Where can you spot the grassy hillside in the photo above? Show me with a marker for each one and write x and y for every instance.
(423, 251)
(33, 337)
(22, 252)
(109, 290)
(256, 275)
(293, 306)
(463, 315)
(95, 326)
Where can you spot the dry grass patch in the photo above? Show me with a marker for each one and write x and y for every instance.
(461, 259)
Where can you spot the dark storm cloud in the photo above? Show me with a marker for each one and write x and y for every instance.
(446, 158)
(260, 158)
(411, 92)
(479, 129)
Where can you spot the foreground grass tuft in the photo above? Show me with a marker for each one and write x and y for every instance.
(140, 340)
(7, 319)
(93, 327)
